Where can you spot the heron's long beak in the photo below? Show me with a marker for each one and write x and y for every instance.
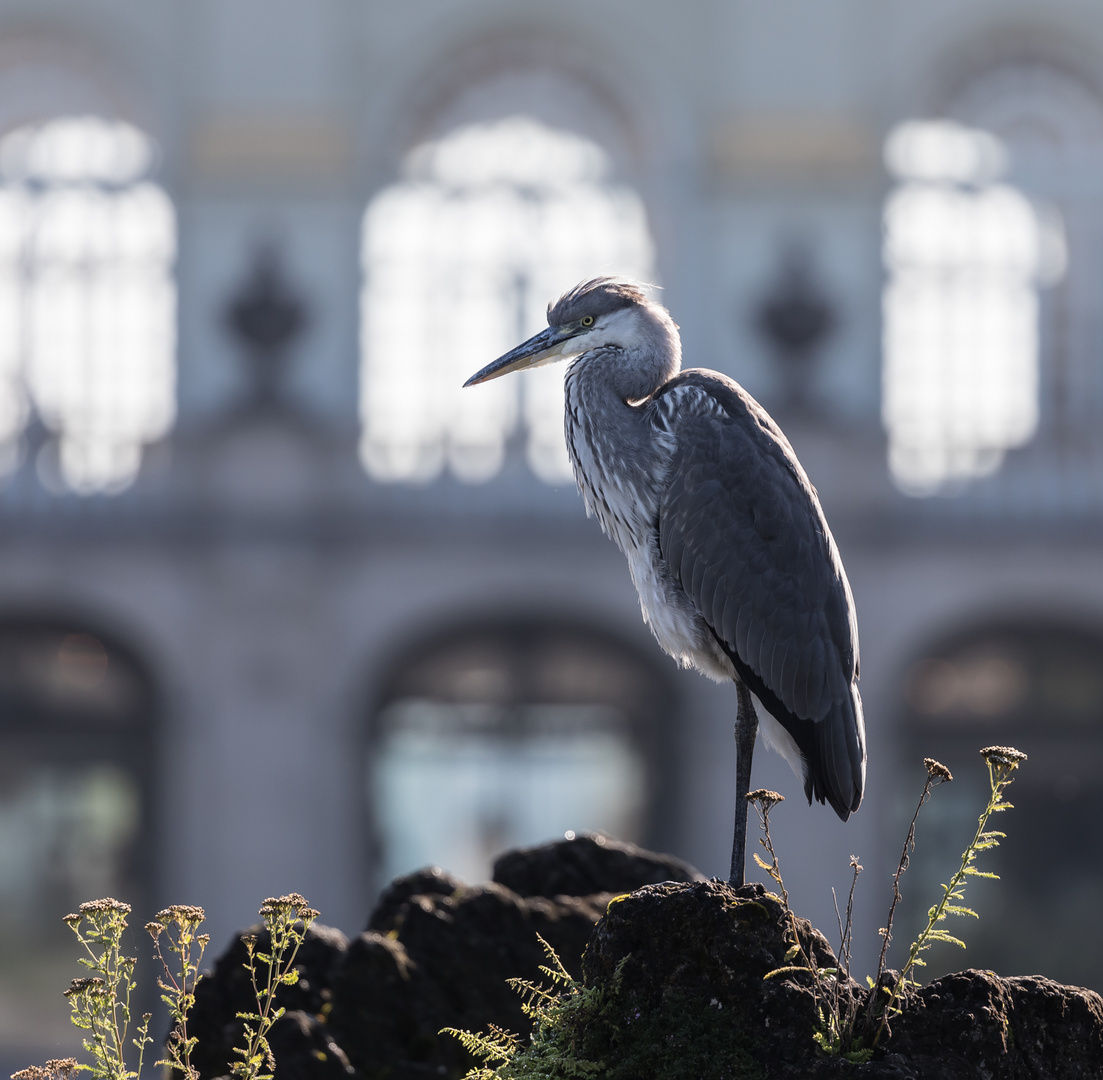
(539, 349)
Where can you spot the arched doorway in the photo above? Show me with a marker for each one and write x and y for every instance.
(76, 747)
(514, 732)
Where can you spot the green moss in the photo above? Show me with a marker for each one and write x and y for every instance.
(588, 1032)
(681, 1039)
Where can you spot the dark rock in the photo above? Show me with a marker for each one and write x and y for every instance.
(305, 1050)
(666, 955)
(431, 881)
(445, 965)
(682, 973)
(675, 976)
(974, 1024)
(586, 865)
(436, 953)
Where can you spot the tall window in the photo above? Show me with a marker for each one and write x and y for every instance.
(74, 786)
(965, 255)
(512, 734)
(993, 242)
(87, 300)
(459, 260)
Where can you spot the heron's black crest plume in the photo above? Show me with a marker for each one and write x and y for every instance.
(598, 296)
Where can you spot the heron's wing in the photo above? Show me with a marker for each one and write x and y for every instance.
(742, 532)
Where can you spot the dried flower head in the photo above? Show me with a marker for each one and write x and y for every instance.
(765, 798)
(107, 904)
(92, 985)
(937, 771)
(294, 899)
(1003, 755)
(293, 905)
(54, 1069)
(183, 915)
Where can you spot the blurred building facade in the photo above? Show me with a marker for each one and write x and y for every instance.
(281, 609)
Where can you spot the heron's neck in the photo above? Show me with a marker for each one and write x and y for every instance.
(608, 436)
(652, 356)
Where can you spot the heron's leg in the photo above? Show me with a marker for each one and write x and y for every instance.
(746, 728)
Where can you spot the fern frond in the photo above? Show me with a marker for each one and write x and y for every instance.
(496, 1044)
(560, 974)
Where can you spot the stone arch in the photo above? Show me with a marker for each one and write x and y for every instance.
(79, 717)
(1042, 115)
(43, 75)
(456, 267)
(87, 285)
(524, 702)
(495, 70)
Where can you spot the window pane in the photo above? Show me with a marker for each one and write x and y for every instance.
(513, 735)
(964, 256)
(86, 281)
(456, 790)
(459, 261)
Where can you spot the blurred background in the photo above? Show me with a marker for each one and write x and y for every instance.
(281, 608)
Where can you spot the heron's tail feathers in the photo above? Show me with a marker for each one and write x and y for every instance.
(835, 771)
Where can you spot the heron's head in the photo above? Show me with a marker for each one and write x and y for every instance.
(605, 312)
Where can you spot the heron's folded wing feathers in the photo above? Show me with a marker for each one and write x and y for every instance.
(741, 530)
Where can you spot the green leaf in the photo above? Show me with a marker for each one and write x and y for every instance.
(957, 909)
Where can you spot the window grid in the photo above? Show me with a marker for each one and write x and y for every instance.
(87, 295)
(965, 256)
(459, 260)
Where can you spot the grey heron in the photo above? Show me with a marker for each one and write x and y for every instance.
(737, 571)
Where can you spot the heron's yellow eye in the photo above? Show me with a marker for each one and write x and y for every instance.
(587, 320)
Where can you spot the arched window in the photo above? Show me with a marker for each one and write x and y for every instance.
(965, 255)
(75, 759)
(87, 300)
(512, 734)
(1037, 686)
(459, 260)
(990, 317)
